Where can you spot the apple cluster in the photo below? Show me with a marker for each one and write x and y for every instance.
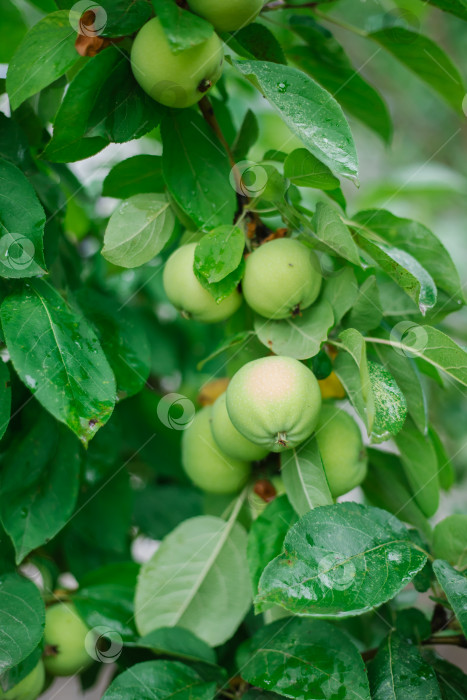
(181, 78)
(272, 403)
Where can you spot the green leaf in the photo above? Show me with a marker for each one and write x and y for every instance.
(349, 375)
(390, 403)
(177, 642)
(5, 398)
(454, 584)
(122, 337)
(402, 267)
(426, 59)
(196, 170)
(157, 680)
(420, 242)
(14, 144)
(386, 486)
(446, 473)
(300, 337)
(366, 312)
(223, 289)
(255, 41)
(326, 61)
(304, 659)
(109, 605)
(449, 540)
(46, 53)
(138, 230)
(304, 477)
(452, 681)
(67, 371)
(39, 484)
(331, 230)
(246, 137)
(219, 253)
(420, 466)
(398, 670)
(123, 17)
(21, 227)
(160, 508)
(22, 619)
(12, 30)
(456, 7)
(136, 175)
(327, 555)
(183, 29)
(267, 534)
(207, 558)
(303, 169)
(341, 291)
(354, 343)
(300, 102)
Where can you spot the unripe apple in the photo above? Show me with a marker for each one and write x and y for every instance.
(341, 447)
(233, 443)
(175, 79)
(282, 278)
(205, 463)
(29, 688)
(188, 295)
(64, 639)
(227, 16)
(274, 402)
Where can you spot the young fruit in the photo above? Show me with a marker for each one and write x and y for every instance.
(274, 402)
(64, 639)
(229, 439)
(186, 293)
(29, 688)
(281, 279)
(175, 79)
(227, 16)
(205, 463)
(341, 447)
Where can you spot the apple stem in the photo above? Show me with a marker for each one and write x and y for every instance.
(281, 439)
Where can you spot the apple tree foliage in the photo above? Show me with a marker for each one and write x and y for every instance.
(305, 601)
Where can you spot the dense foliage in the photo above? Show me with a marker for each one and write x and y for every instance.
(227, 433)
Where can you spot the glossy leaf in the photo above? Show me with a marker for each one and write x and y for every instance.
(138, 230)
(21, 228)
(454, 584)
(124, 17)
(221, 290)
(46, 53)
(183, 29)
(196, 170)
(39, 485)
(67, 371)
(255, 41)
(450, 541)
(327, 554)
(303, 169)
(199, 569)
(304, 477)
(22, 619)
(304, 659)
(300, 337)
(331, 230)
(108, 605)
(420, 466)
(309, 111)
(267, 535)
(390, 403)
(398, 670)
(157, 680)
(219, 253)
(136, 175)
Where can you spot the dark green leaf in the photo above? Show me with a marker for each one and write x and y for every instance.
(398, 670)
(304, 477)
(46, 53)
(413, 625)
(219, 253)
(110, 606)
(123, 17)
(183, 29)
(196, 170)
(446, 473)
(327, 555)
(221, 290)
(246, 137)
(177, 642)
(452, 681)
(454, 584)
(301, 101)
(420, 466)
(136, 175)
(22, 619)
(160, 508)
(67, 370)
(5, 398)
(304, 659)
(21, 227)
(303, 169)
(255, 41)
(267, 535)
(12, 30)
(456, 7)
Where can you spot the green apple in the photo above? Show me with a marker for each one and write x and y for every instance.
(204, 462)
(274, 402)
(341, 447)
(175, 79)
(281, 278)
(227, 16)
(229, 439)
(29, 688)
(64, 639)
(186, 293)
